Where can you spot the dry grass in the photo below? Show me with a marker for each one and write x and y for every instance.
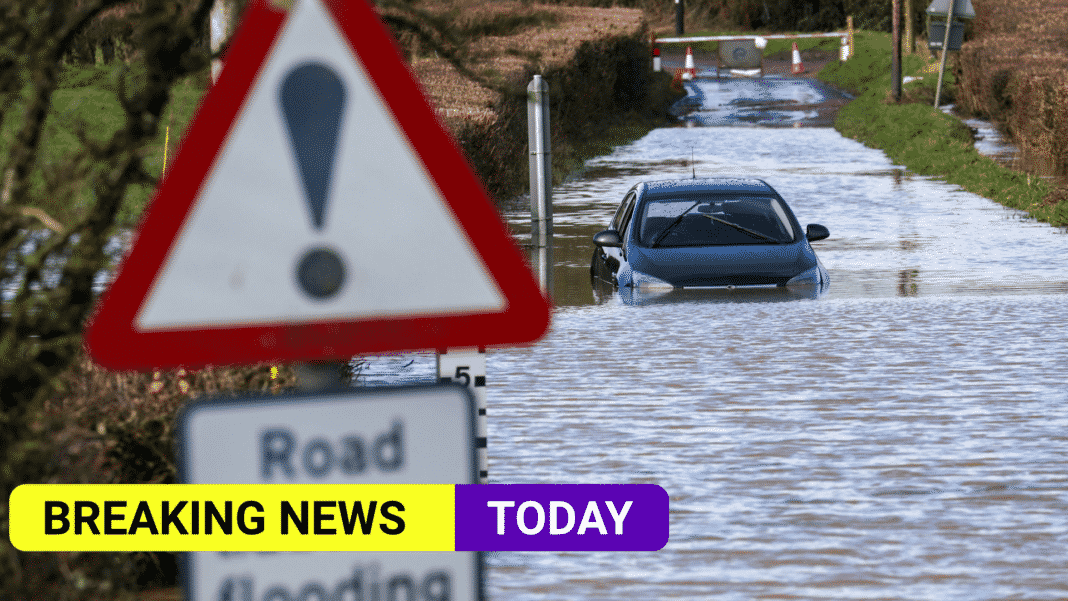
(551, 39)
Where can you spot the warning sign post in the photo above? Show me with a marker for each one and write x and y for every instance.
(317, 210)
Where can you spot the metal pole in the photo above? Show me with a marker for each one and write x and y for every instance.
(895, 50)
(945, 47)
(541, 184)
(680, 10)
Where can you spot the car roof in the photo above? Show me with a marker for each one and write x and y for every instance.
(708, 184)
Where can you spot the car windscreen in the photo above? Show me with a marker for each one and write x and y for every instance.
(712, 220)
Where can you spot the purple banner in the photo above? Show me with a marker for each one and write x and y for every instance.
(561, 517)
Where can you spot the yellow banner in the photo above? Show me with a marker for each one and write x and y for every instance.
(232, 517)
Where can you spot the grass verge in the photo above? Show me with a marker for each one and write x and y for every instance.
(924, 139)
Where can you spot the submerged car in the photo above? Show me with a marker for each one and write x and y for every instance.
(707, 233)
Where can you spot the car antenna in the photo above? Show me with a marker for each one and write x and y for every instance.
(691, 163)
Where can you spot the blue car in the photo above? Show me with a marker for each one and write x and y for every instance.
(707, 233)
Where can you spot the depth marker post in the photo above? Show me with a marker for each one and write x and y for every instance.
(541, 182)
(468, 367)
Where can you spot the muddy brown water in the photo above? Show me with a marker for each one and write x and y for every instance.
(904, 436)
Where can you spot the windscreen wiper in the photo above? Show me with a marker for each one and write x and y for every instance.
(743, 229)
(671, 225)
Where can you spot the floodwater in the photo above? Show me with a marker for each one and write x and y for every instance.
(904, 436)
(768, 101)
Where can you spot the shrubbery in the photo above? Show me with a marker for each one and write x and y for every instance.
(110, 428)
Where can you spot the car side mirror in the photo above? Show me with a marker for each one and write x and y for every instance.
(608, 238)
(815, 231)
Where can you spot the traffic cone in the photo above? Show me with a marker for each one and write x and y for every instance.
(799, 67)
(690, 71)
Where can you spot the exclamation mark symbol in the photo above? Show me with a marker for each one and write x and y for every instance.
(313, 101)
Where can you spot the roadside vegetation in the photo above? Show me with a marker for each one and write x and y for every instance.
(64, 180)
(1015, 70)
(924, 139)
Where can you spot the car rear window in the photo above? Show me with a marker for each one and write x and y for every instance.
(711, 220)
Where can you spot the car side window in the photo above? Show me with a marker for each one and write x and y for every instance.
(617, 219)
(622, 218)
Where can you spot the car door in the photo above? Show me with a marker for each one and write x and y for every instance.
(610, 258)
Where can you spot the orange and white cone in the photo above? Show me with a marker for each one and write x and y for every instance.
(690, 71)
(799, 67)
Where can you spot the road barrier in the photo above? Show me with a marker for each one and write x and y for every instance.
(689, 72)
(772, 36)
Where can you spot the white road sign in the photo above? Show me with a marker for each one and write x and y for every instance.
(367, 204)
(403, 435)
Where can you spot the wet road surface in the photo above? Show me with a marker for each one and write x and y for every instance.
(768, 101)
(901, 437)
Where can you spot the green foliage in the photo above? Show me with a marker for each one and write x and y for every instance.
(923, 138)
(86, 105)
(71, 142)
(869, 66)
(784, 48)
(876, 15)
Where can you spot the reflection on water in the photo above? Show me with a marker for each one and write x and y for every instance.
(604, 293)
(988, 140)
(901, 437)
(52, 269)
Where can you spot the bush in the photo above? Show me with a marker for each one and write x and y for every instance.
(110, 428)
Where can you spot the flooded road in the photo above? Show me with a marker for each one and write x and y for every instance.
(905, 436)
(769, 101)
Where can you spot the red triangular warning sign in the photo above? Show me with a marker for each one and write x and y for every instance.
(317, 210)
